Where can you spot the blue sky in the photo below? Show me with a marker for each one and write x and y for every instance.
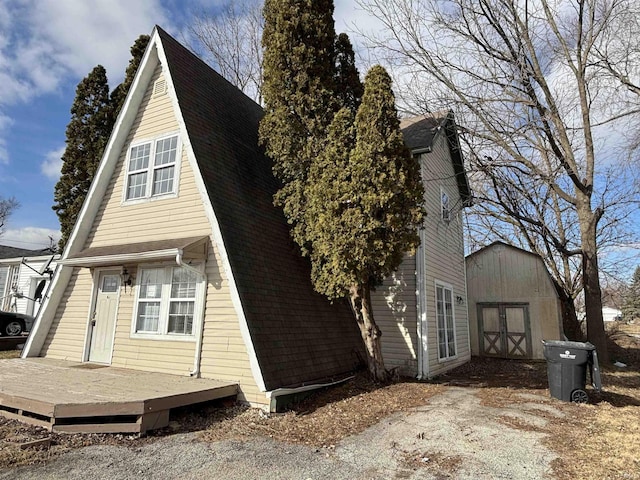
(46, 48)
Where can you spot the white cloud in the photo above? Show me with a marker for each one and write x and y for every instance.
(83, 34)
(45, 44)
(50, 41)
(4, 123)
(52, 164)
(32, 238)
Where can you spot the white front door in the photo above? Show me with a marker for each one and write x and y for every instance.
(104, 317)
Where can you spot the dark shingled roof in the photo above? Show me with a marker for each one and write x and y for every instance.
(13, 252)
(298, 335)
(419, 134)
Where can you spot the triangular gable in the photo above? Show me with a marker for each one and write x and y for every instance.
(292, 334)
(93, 200)
(421, 132)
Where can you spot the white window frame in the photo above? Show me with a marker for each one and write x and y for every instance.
(4, 287)
(162, 332)
(445, 205)
(448, 356)
(152, 168)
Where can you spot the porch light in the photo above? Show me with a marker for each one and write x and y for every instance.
(127, 280)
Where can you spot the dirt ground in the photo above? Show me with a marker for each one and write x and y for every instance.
(600, 439)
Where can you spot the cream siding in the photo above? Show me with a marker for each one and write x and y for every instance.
(394, 309)
(395, 303)
(502, 274)
(224, 355)
(66, 336)
(443, 253)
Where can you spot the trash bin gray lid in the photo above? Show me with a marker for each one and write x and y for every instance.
(568, 344)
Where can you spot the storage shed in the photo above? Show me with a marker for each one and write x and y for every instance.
(513, 303)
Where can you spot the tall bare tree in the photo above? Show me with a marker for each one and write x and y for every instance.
(525, 77)
(229, 38)
(7, 207)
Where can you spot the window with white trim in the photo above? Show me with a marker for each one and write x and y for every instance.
(445, 322)
(167, 302)
(151, 168)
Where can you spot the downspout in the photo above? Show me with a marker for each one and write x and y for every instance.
(200, 334)
(273, 395)
(419, 309)
(423, 324)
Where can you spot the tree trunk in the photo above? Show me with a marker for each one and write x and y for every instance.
(570, 324)
(360, 300)
(591, 279)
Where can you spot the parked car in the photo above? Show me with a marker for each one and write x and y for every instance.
(13, 324)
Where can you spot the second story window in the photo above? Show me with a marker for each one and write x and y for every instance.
(151, 168)
(445, 206)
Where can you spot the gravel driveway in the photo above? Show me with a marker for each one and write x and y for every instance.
(453, 436)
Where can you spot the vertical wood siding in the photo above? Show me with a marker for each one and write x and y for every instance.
(501, 274)
(224, 353)
(443, 253)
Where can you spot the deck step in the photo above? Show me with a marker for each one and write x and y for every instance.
(63, 397)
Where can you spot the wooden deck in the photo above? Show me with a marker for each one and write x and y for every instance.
(11, 343)
(80, 397)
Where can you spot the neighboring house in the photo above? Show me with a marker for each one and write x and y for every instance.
(422, 308)
(21, 273)
(611, 314)
(180, 263)
(513, 303)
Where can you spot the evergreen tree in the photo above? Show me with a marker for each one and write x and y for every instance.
(299, 94)
(363, 206)
(631, 306)
(120, 92)
(349, 88)
(351, 191)
(87, 135)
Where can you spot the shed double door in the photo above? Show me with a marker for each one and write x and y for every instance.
(504, 330)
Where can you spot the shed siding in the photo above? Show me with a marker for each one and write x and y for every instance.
(394, 309)
(443, 253)
(224, 354)
(501, 274)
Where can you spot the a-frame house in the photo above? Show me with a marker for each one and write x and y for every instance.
(179, 262)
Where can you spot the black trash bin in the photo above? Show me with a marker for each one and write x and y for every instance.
(567, 364)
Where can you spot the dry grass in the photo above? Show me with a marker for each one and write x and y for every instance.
(604, 436)
(9, 354)
(599, 440)
(326, 417)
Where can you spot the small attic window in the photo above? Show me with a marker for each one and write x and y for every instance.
(445, 206)
(159, 87)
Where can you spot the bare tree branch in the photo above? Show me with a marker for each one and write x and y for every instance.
(7, 207)
(529, 83)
